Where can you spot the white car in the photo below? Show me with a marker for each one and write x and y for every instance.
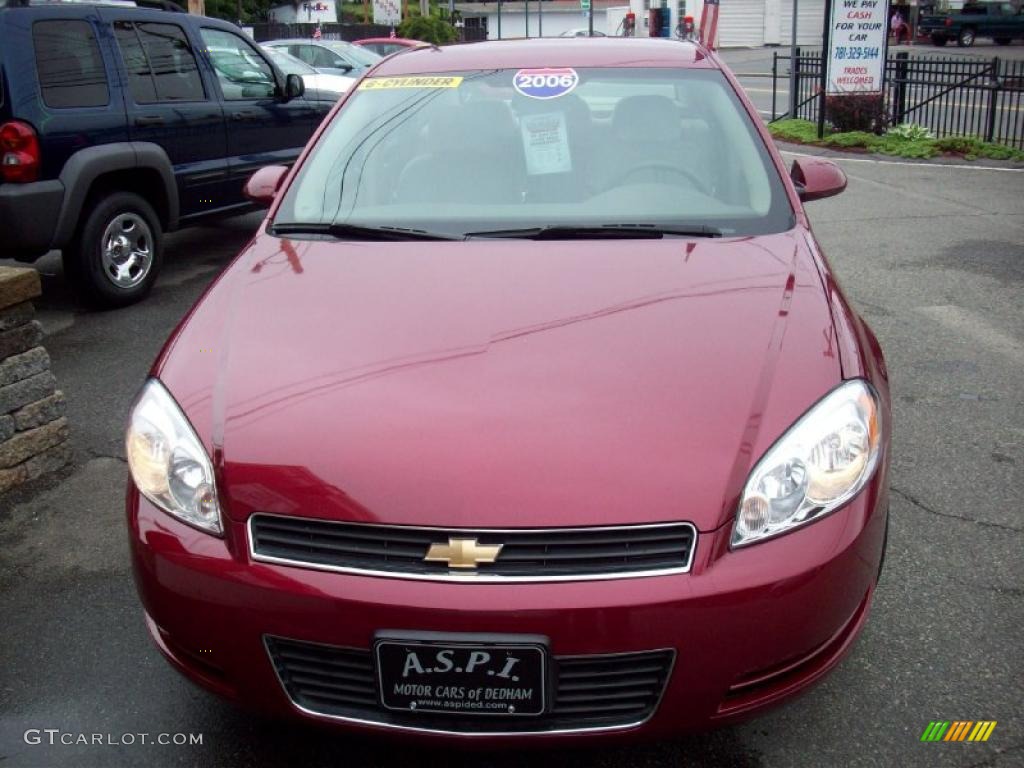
(317, 83)
(581, 32)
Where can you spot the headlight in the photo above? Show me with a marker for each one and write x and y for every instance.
(817, 466)
(168, 463)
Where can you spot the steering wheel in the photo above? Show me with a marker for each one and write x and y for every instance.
(691, 177)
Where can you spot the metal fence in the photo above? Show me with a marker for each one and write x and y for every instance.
(473, 29)
(331, 31)
(949, 95)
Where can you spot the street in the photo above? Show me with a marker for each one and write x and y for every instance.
(933, 258)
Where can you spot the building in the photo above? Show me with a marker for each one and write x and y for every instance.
(304, 11)
(767, 22)
(741, 22)
(530, 19)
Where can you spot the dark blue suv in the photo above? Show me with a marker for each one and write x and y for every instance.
(119, 123)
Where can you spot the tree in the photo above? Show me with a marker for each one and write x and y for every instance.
(429, 29)
(252, 10)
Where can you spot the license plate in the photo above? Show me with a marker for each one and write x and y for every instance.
(475, 678)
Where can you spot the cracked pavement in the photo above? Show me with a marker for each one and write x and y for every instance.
(933, 258)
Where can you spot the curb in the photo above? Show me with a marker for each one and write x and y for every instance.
(955, 160)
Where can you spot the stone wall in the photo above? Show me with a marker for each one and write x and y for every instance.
(33, 428)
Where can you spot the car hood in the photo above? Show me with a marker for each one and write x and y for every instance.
(502, 383)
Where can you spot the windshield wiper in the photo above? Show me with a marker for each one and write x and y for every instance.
(602, 232)
(358, 231)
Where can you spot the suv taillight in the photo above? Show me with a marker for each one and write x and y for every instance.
(949, 22)
(19, 153)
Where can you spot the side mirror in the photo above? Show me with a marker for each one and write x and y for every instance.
(294, 86)
(262, 186)
(816, 178)
(346, 68)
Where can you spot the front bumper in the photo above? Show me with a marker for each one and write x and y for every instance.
(28, 218)
(749, 628)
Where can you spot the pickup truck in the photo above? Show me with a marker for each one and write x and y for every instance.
(1001, 21)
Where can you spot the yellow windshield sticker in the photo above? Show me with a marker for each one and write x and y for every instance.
(385, 83)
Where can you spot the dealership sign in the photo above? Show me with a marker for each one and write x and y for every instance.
(387, 13)
(856, 51)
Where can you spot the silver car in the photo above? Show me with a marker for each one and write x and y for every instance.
(318, 84)
(331, 57)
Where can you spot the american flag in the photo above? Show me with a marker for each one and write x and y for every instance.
(709, 24)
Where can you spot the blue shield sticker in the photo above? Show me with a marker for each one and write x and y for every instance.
(545, 83)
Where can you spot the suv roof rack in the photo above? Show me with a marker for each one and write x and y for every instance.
(158, 5)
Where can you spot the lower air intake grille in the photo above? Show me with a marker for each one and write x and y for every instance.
(589, 692)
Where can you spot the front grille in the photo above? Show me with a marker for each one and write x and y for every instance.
(526, 554)
(589, 692)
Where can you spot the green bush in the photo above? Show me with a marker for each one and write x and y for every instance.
(851, 139)
(895, 142)
(800, 131)
(910, 131)
(971, 148)
(856, 112)
(429, 29)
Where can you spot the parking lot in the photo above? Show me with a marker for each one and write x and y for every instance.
(933, 258)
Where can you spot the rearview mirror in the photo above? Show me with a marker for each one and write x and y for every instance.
(294, 87)
(262, 186)
(816, 177)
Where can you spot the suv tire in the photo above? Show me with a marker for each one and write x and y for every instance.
(966, 37)
(117, 252)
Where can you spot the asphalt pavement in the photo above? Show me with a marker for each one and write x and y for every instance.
(933, 256)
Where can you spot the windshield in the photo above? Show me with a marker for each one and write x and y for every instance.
(356, 53)
(288, 63)
(502, 150)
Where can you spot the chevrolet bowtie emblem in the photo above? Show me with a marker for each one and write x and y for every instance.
(463, 553)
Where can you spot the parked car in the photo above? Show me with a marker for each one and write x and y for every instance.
(385, 46)
(507, 437)
(318, 85)
(581, 32)
(1000, 21)
(118, 125)
(332, 57)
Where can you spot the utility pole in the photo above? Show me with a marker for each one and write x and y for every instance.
(499, 19)
(826, 39)
(793, 84)
(540, 17)
(526, 16)
(424, 8)
(590, 18)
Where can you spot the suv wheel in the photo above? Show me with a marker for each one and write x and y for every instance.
(117, 253)
(966, 37)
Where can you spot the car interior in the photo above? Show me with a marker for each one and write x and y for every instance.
(601, 145)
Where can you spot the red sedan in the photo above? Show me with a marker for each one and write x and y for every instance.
(385, 46)
(533, 411)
